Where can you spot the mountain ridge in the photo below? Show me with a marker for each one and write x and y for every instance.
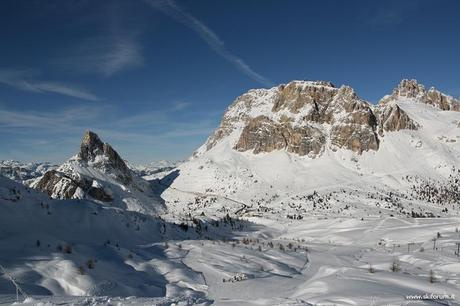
(276, 147)
(354, 123)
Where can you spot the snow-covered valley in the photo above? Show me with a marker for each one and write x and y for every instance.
(305, 195)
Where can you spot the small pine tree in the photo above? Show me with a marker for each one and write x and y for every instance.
(81, 270)
(90, 263)
(37, 243)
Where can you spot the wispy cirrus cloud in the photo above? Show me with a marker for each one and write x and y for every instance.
(145, 126)
(390, 13)
(113, 46)
(27, 80)
(173, 10)
(106, 55)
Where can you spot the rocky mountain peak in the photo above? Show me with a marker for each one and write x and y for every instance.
(411, 89)
(91, 146)
(68, 181)
(99, 153)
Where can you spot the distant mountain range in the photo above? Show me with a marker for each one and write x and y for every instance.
(19, 171)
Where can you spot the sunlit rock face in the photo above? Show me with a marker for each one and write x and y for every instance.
(263, 135)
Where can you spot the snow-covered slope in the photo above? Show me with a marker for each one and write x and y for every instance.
(321, 149)
(78, 247)
(18, 171)
(98, 173)
(78, 252)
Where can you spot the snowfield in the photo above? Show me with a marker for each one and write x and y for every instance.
(256, 261)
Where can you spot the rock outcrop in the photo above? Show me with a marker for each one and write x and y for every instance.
(354, 123)
(296, 95)
(264, 135)
(58, 184)
(392, 118)
(411, 89)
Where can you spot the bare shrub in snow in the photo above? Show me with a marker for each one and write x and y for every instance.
(395, 266)
(432, 277)
(371, 269)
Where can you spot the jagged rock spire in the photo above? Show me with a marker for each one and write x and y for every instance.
(91, 147)
(409, 89)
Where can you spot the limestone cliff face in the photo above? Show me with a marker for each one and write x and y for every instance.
(261, 134)
(354, 123)
(295, 96)
(308, 117)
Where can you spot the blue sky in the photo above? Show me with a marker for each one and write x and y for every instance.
(154, 77)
